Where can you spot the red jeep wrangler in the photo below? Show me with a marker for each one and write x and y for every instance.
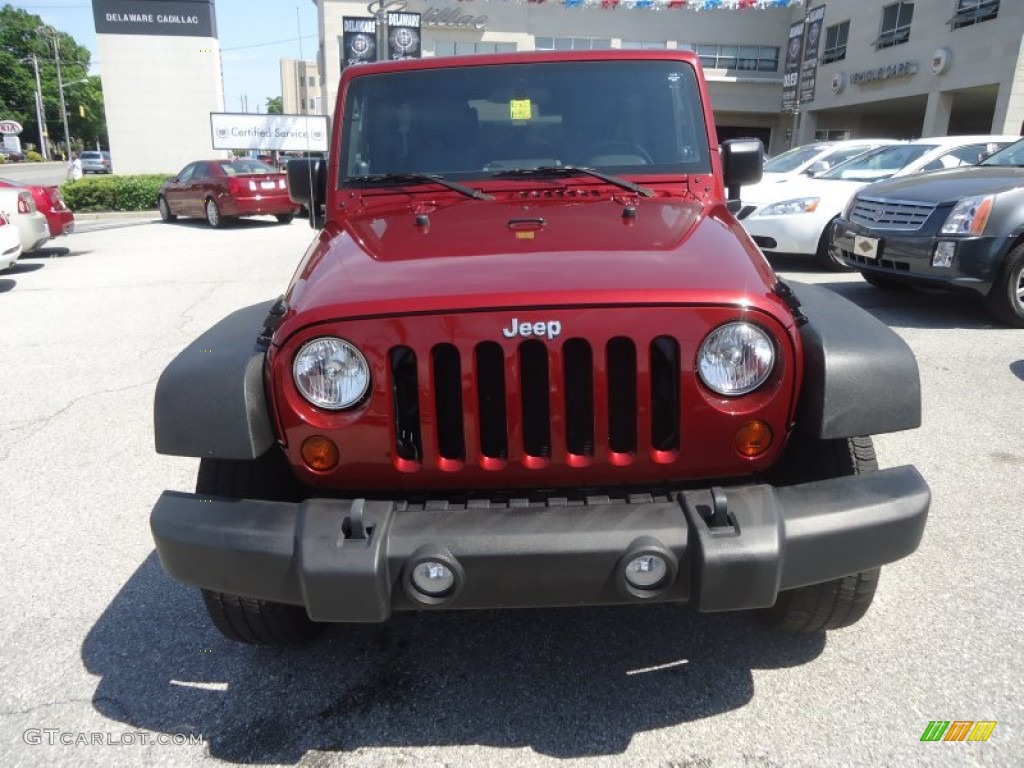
(531, 359)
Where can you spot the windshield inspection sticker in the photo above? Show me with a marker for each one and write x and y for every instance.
(520, 109)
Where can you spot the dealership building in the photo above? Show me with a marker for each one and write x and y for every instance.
(859, 67)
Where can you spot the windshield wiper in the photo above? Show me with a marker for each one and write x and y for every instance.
(418, 178)
(572, 170)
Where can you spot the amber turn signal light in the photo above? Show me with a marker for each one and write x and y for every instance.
(753, 439)
(319, 453)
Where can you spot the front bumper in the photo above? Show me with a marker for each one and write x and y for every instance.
(796, 234)
(908, 256)
(351, 561)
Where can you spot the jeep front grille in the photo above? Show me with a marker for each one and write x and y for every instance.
(541, 402)
(879, 213)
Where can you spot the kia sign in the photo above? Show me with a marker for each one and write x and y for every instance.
(9, 128)
(290, 133)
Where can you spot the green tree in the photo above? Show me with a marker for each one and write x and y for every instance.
(274, 106)
(20, 39)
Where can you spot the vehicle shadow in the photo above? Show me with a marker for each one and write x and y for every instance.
(1017, 369)
(912, 307)
(6, 285)
(567, 683)
(51, 252)
(234, 223)
(20, 268)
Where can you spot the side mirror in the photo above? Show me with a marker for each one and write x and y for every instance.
(818, 166)
(742, 163)
(307, 186)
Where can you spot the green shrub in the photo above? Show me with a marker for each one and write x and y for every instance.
(33, 156)
(113, 193)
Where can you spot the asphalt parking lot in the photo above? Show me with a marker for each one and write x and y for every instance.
(97, 640)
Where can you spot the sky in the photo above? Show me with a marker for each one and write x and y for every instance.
(254, 36)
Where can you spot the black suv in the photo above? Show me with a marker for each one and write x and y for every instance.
(961, 229)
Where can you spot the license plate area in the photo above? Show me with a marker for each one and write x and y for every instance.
(267, 185)
(867, 247)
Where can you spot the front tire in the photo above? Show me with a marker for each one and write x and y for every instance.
(213, 214)
(840, 602)
(1005, 300)
(285, 218)
(824, 255)
(165, 210)
(249, 619)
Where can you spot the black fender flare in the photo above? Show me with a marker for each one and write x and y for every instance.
(860, 377)
(210, 399)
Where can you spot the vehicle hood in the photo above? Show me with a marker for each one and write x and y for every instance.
(950, 185)
(829, 190)
(491, 254)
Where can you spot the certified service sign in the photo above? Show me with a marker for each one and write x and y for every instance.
(290, 133)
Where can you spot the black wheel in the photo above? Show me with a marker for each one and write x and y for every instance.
(1005, 301)
(840, 602)
(827, 255)
(285, 218)
(883, 282)
(248, 619)
(213, 216)
(165, 210)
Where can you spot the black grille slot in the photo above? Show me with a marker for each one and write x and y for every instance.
(665, 394)
(490, 384)
(535, 396)
(621, 395)
(578, 367)
(405, 400)
(451, 443)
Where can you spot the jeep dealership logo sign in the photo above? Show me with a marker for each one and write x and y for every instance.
(290, 133)
(177, 18)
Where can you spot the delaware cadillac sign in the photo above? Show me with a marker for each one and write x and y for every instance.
(181, 18)
(290, 133)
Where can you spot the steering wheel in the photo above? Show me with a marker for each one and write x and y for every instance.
(617, 148)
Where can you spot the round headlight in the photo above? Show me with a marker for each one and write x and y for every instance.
(331, 373)
(735, 359)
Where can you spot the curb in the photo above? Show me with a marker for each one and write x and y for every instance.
(97, 215)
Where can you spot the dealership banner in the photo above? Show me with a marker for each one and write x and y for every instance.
(358, 41)
(403, 36)
(289, 133)
(179, 18)
(791, 71)
(815, 21)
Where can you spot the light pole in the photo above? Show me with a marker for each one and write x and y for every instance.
(51, 34)
(40, 116)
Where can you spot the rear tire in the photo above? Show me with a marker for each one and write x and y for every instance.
(840, 602)
(249, 619)
(165, 210)
(1005, 301)
(285, 218)
(213, 214)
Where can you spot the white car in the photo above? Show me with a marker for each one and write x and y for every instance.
(10, 243)
(796, 216)
(812, 160)
(20, 208)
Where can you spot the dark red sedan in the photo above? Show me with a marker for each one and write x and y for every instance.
(50, 203)
(220, 190)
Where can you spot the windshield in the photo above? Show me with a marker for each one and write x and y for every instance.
(794, 158)
(1012, 155)
(238, 167)
(879, 163)
(474, 121)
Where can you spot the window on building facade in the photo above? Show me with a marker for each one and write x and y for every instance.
(571, 43)
(751, 58)
(835, 42)
(643, 45)
(896, 20)
(312, 81)
(836, 134)
(970, 12)
(450, 48)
